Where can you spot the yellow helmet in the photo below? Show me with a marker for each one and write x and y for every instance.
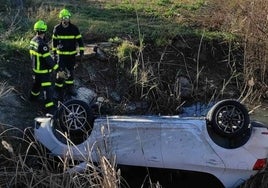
(40, 25)
(64, 13)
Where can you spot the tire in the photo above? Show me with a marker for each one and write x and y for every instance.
(75, 117)
(229, 118)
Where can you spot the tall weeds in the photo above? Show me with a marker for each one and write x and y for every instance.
(256, 50)
(249, 21)
(26, 163)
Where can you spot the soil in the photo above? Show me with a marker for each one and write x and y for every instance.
(167, 78)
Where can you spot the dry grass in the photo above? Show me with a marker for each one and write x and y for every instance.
(25, 163)
(5, 89)
(246, 19)
(249, 21)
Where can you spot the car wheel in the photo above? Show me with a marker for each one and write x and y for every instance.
(229, 118)
(75, 116)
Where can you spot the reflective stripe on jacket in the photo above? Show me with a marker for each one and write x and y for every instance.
(42, 62)
(65, 40)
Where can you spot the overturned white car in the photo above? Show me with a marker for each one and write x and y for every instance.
(225, 143)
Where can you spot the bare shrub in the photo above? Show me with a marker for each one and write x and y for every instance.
(256, 49)
(249, 21)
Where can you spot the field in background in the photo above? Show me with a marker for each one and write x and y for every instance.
(138, 24)
(135, 26)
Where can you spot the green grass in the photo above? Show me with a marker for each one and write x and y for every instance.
(159, 21)
(153, 23)
(133, 25)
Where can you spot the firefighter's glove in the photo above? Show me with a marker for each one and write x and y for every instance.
(62, 75)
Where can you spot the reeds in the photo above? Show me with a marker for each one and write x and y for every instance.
(26, 163)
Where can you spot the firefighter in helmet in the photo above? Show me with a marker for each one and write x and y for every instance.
(42, 66)
(67, 42)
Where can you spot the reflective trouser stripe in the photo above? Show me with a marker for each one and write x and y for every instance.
(44, 84)
(35, 94)
(49, 104)
(69, 82)
(58, 85)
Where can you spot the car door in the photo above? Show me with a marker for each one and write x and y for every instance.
(184, 146)
(135, 141)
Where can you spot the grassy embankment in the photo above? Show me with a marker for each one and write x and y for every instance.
(133, 25)
(137, 26)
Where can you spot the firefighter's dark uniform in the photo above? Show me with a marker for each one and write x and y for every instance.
(65, 42)
(42, 66)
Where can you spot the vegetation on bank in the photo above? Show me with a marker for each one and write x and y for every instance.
(135, 26)
(140, 24)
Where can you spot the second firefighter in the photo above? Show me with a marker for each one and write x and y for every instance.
(66, 39)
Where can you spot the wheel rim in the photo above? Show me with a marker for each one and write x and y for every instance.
(230, 119)
(74, 117)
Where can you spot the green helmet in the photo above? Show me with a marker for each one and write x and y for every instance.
(40, 25)
(64, 13)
